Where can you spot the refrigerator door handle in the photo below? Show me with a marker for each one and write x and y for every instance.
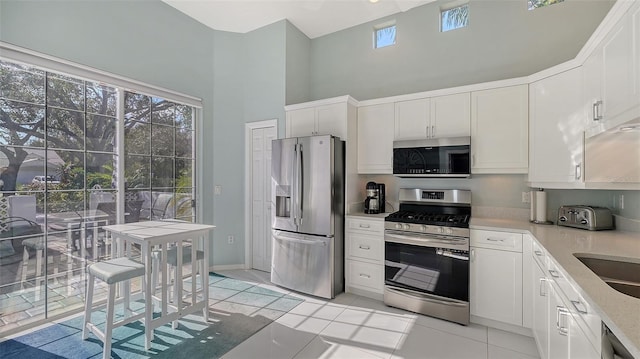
(300, 184)
(294, 192)
(298, 240)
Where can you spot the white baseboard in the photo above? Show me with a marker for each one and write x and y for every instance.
(502, 326)
(226, 267)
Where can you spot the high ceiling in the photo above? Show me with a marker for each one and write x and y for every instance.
(313, 17)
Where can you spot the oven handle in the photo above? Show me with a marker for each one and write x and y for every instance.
(427, 241)
(412, 294)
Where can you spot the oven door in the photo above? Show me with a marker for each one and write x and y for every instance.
(432, 264)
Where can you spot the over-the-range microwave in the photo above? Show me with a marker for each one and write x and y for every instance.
(437, 157)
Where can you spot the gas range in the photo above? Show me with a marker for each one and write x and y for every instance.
(426, 254)
(444, 212)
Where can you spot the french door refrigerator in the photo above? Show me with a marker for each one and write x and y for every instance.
(307, 214)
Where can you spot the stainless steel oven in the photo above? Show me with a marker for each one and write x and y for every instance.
(427, 254)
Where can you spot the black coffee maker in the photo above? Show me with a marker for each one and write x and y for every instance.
(374, 203)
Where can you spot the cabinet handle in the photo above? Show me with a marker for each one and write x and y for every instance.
(473, 160)
(364, 226)
(473, 255)
(577, 303)
(560, 313)
(433, 131)
(538, 253)
(542, 292)
(428, 133)
(365, 275)
(578, 171)
(362, 246)
(597, 114)
(495, 239)
(554, 273)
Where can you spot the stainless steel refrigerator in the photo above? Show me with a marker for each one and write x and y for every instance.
(307, 214)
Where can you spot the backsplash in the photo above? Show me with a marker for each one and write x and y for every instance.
(500, 196)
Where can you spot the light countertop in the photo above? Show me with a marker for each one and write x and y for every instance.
(620, 312)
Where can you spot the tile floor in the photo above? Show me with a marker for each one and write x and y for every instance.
(352, 326)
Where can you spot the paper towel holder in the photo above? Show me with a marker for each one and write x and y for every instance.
(538, 214)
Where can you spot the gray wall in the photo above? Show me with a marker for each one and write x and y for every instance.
(298, 64)
(240, 78)
(503, 40)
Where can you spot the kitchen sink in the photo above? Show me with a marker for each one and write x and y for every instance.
(621, 274)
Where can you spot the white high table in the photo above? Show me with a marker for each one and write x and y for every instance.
(163, 233)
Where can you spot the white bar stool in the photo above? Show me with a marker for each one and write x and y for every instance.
(111, 272)
(172, 261)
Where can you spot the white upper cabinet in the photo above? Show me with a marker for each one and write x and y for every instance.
(614, 67)
(375, 139)
(499, 130)
(556, 125)
(441, 116)
(451, 115)
(412, 120)
(328, 119)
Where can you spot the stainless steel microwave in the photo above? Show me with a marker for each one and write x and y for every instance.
(437, 157)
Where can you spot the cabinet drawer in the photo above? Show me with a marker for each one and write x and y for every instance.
(365, 275)
(506, 241)
(539, 254)
(365, 246)
(367, 225)
(584, 315)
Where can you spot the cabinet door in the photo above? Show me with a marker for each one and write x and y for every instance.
(559, 323)
(579, 345)
(556, 125)
(540, 311)
(618, 83)
(375, 141)
(451, 115)
(332, 120)
(592, 75)
(301, 122)
(412, 120)
(496, 285)
(500, 130)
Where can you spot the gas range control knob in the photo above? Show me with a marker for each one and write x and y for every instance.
(423, 228)
(441, 230)
(405, 226)
(398, 226)
(449, 231)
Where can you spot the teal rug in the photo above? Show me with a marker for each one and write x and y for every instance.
(238, 310)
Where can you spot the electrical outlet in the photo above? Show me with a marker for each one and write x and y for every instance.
(217, 189)
(525, 197)
(230, 239)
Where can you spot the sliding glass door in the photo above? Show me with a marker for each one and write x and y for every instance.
(60, 184)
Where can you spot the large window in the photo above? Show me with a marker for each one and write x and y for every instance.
(59, 180)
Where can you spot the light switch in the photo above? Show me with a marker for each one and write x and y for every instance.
(217, 189)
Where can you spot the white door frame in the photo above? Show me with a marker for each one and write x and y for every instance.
(248, 242)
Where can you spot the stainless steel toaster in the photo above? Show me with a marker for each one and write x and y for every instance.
(585, 217)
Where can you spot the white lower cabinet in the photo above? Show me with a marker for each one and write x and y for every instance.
(540, 310)
(364, 263)
(496, 276)
(562, 321)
